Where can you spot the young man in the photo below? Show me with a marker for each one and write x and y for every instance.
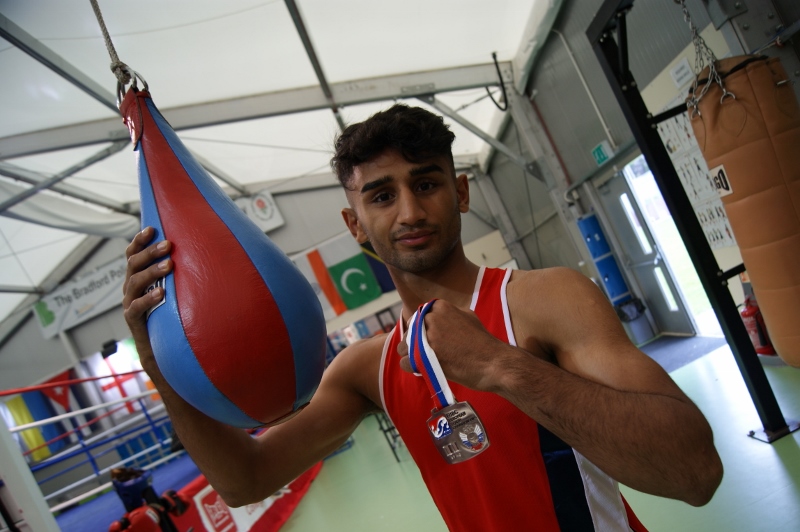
(567, 401)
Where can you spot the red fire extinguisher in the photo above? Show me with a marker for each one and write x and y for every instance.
(754, 323)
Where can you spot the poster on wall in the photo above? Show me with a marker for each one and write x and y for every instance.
(697, 181)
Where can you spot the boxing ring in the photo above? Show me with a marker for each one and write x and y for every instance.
(76, 486)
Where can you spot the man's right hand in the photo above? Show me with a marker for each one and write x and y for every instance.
(144, 268)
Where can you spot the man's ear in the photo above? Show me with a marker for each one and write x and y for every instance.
(462, 190)
(351, 221)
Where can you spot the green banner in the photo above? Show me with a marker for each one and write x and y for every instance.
(355, 281)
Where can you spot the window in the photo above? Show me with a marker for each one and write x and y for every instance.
(641, 236)
(665, 289)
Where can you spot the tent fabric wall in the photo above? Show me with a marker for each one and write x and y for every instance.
(49, 210)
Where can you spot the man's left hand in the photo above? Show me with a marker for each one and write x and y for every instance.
(468, 354)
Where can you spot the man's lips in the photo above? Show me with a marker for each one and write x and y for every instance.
(414, 238)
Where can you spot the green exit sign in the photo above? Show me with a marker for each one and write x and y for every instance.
(602, 152)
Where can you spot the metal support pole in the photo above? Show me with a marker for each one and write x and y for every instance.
(221, 174)
(294, 11)
(34, 48)
(504, 224)
(528, 166)
(34, 178)
(711, 277)
(532, 135)
(97, 157)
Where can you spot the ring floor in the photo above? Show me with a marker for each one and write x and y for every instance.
(365, 489)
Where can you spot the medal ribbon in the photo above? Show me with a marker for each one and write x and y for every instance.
(423, 359)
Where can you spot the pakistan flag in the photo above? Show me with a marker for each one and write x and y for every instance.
(349, 270)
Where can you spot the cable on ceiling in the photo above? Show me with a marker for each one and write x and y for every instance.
(502, 85)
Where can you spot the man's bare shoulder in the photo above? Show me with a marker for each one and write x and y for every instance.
(358, 366)
(549, 282)
(545, 304)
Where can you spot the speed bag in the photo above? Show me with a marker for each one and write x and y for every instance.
(240, 333)
(751, 142)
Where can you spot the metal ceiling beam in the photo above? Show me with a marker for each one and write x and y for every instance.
(297, 18)
(533, 40)
(10, 289)
(221, 174)
(518, 159)
(34, 178)
(47, 183)
(263, 106)
(34, 48)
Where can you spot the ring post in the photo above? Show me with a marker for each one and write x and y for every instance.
(22, 486)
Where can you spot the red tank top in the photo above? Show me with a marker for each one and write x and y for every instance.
(528, 479)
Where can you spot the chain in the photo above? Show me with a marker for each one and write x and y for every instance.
(702, 53)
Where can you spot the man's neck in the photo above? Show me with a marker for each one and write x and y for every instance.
(453, 280)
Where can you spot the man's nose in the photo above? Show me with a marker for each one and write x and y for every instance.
(410, 211)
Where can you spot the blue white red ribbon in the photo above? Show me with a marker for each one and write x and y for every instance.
(423, 358)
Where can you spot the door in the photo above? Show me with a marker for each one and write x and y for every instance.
(642, 258)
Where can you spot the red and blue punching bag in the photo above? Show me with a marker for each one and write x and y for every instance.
(240, 334)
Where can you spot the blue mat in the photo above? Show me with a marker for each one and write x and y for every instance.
(97, 514)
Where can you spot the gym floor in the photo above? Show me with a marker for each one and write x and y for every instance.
(365, 489)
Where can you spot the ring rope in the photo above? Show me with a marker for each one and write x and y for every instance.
(69, 382)
(72, 431)
(41, 422)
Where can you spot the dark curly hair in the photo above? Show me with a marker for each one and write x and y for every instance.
(414, 132)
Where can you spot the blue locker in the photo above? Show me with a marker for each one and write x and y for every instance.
(610, 274)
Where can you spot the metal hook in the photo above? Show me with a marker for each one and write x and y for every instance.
(726, 93)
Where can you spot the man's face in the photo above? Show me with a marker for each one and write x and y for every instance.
(410, 212)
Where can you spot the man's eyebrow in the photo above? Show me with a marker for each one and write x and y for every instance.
(376, 183)
(427, 169)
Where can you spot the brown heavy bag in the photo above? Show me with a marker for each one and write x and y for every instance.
(750, 139)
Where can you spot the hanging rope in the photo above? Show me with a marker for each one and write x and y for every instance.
(702, 54)
(123, 72)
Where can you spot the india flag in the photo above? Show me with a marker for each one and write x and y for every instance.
(316, 273)
(350, 271)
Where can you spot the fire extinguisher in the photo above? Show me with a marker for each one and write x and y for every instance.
(754, 323)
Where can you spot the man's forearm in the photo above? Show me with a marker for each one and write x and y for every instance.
(653, 443)
(223, 453)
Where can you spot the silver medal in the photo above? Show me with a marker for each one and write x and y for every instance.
(457, 432)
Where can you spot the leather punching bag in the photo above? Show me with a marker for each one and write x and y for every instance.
(240, 334)
(753, 138)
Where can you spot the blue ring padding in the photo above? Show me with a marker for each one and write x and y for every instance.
(174, 355)
(437, 389)
(298, 304)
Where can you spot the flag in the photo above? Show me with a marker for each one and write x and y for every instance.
(378, 268)
(59, 394)
(40, 408)
(33, 406)
(313, 269)
(64, 400)
(114, 386)
(349, 270)
(32, 438)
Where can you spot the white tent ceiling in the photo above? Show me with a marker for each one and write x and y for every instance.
(235, 68)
